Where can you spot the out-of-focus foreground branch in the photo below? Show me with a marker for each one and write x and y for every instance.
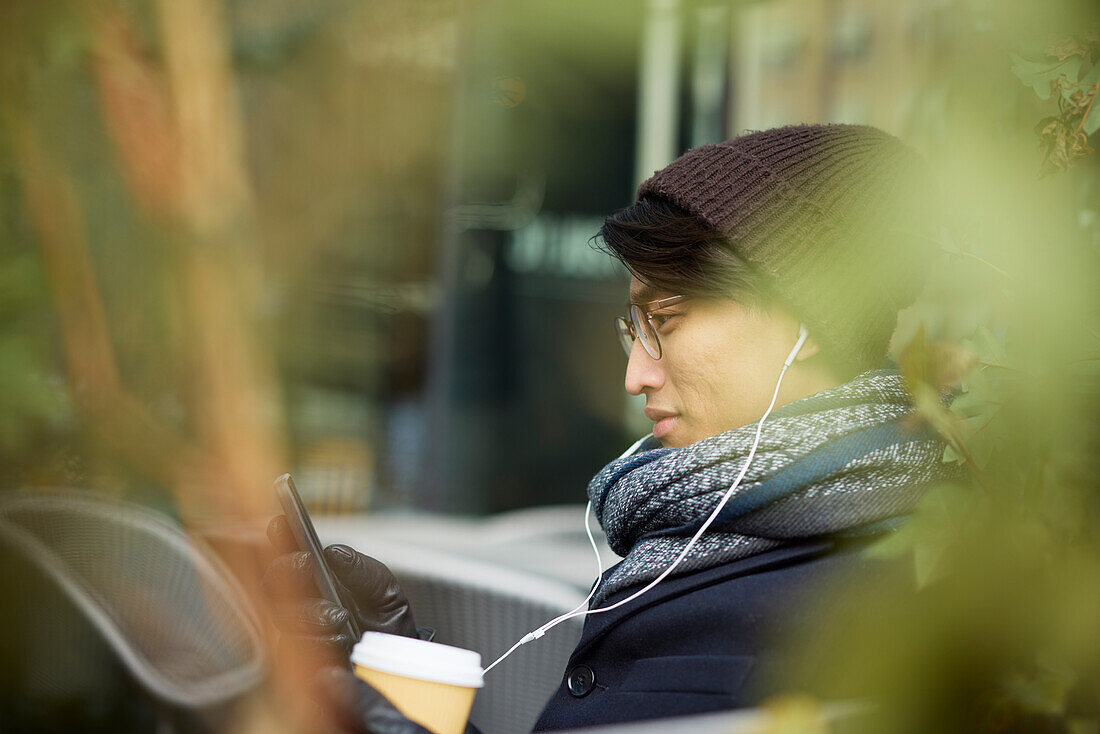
(168, 107)
(178, 135)
(178, 139)
(120, 424)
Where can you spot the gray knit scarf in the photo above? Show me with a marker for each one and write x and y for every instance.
(852, 459)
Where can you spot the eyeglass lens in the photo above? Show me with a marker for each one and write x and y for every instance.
(627, 330)
(626, 334)
(644, 329)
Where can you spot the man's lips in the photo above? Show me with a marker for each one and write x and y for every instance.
(663, 421)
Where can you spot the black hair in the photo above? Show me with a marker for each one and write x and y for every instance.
(674, 251)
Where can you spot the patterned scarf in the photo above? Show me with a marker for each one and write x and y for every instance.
(852, 459)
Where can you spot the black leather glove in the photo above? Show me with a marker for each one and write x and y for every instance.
(375, 597)
(353, 706)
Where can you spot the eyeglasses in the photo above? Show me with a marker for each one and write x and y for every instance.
(640, 325)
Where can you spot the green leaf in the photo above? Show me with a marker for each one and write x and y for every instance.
(1092, 119)
(982, 442)
(1088, 83)
(1040, 74)
(929, 532)
(987, 347)
(1091, 77)
(970, 404)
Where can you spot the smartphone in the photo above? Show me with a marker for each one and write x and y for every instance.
(306, 537)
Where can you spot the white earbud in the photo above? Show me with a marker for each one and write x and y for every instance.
(803, 334)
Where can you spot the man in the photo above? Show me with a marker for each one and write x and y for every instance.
(766, 272)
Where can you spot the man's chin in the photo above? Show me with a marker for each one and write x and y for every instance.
(680, 437)
(672, 441)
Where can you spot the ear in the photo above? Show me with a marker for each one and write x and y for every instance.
(810, 347)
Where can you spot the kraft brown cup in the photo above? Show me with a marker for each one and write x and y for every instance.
(431, 684)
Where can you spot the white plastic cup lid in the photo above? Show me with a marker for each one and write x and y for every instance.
(420, 659)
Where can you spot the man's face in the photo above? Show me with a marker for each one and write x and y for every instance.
(718, 368)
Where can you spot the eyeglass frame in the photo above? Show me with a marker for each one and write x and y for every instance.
(631, 327)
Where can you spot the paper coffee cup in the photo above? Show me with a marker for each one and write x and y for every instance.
(430, 683)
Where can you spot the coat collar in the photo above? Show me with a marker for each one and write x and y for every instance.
(597, 625)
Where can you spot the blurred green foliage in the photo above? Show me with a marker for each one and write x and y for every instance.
(1004, 632)
(34, 401)
(37, 415)
(1069, 71)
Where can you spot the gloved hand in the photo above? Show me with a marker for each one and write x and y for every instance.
(353, 706)
(375, 597)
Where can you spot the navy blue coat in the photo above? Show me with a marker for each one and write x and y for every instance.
(705, 641)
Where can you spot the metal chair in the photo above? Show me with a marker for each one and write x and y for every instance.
(167, 609)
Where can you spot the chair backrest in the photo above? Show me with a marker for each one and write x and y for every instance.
(487, 608)
(164, 604)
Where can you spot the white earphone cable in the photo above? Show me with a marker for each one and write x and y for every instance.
(576, 611)
(535, 634)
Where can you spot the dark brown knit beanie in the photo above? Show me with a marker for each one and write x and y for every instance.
(839, 217)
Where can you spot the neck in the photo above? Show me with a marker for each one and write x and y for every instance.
(803, 380)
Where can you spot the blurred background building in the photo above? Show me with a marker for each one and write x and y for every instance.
(407, 310)
(499, 384)
(450, 343)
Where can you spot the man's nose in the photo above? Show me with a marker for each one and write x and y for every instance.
(642, 371)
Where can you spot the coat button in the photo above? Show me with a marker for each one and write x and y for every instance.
(581, 681)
